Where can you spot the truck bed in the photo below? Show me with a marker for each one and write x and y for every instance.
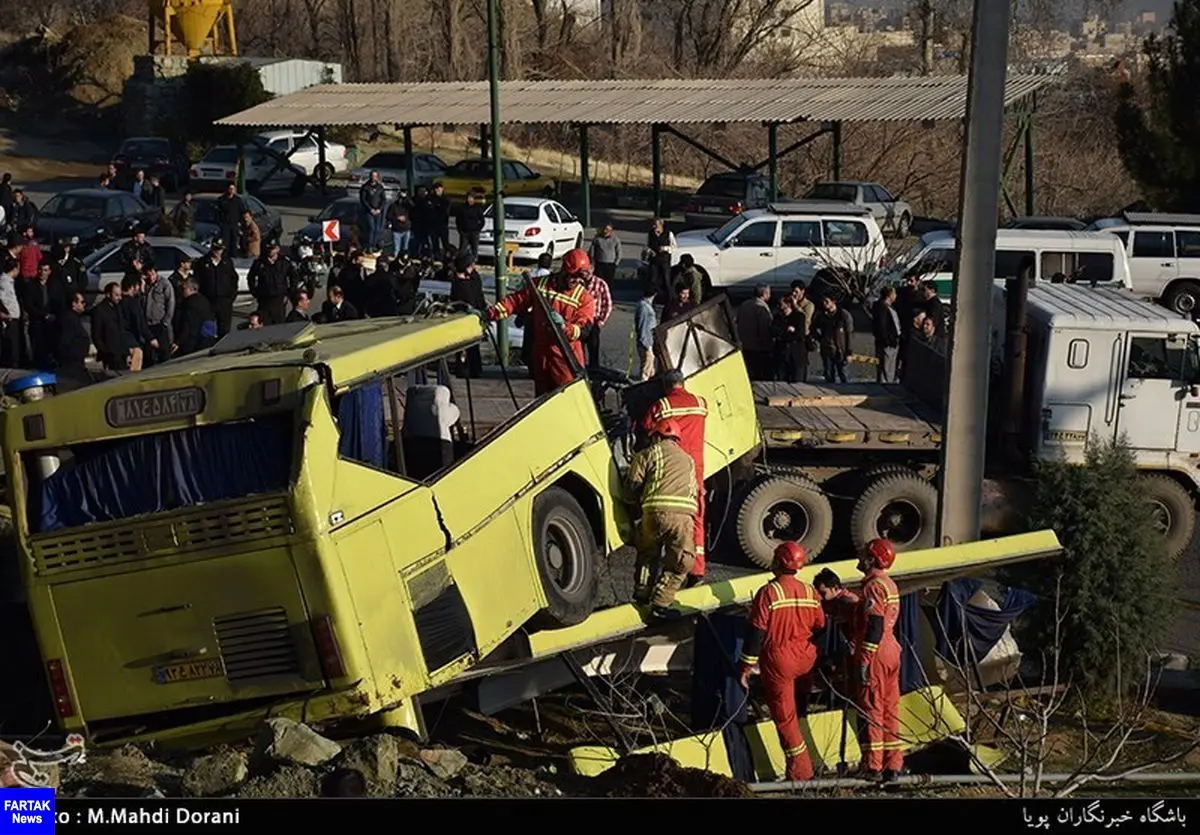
(850, 416)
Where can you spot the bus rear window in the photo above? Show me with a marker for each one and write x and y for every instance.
(106, 481)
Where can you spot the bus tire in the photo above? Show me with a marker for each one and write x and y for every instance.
(1174, 511)
(776, 510)
(568, 559)
(901, 507)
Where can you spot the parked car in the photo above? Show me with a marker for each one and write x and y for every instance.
(270, 222)
(475, 175)
(537, 224)
(1082, 257)
(345, 210)
(806, 240)
(1164, 256)
(305, 152)
(93, 216)
(1046, 224)
(264, 171)
(156, 156)
(105, 264)
(393, 172)
(891, 213)
(726, 194)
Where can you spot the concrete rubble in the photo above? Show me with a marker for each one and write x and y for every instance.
(287, 759)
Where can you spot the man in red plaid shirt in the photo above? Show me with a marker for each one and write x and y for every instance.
(598, 287)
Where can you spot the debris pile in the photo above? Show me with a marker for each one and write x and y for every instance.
(288, 759)
(292, 760)
(657, 775)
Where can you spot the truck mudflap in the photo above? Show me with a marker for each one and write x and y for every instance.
(199, 634)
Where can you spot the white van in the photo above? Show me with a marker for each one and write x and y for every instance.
(1082, 257)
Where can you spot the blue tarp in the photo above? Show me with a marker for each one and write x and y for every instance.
(718, 700)
(172, 470)
(361, 427)
(983, 627)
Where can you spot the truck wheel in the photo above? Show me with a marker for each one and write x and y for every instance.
(568, 559)
(898, 506)
(779, 510)
(1173, 509)
(1183, 298)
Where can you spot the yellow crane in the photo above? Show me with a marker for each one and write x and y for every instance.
(196, 24)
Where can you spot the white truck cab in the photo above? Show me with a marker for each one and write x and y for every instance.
(1164, 256)
(1101, 362)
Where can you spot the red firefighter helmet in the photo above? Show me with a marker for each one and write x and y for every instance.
(668, 428)
(576, 263)
(881, 552)
(790, 556)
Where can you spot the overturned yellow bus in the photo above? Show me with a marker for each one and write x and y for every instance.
(303, 522)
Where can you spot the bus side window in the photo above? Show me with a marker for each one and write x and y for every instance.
(362, 428)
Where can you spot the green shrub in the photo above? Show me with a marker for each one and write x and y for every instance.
(1115, 583)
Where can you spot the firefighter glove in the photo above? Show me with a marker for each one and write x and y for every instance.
(557, 318)
(863, 674)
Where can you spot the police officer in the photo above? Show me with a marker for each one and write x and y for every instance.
(664, 479)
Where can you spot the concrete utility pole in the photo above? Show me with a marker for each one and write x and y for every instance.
(499, 251)
(979, 202)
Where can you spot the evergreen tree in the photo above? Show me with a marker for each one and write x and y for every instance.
(1157, 137)
(1117, 591)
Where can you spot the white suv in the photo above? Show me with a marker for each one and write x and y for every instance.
(785, 242)
(1164, 256)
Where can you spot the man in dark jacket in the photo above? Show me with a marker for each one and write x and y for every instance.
(135, 330)
(466, 287)
(422, 223)
(301, 302)
(399, 220)
(336, 308)
(68, 270)
(468, 218)
(42, 303)
(153, 194)
(833, 329)
(373, 198)
(886, 328)
(379, 296)
(352, 278)
(73, 345)
(24, 214)
(218, 282)
(183, 218)
(439, 215)
(106, 330)
(196, 327)
(136, 253)
(230, 208)
(270, 280)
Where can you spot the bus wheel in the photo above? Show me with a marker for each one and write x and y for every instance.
(901, 507)
(1173, 511)
(777, 510)
(568, 559)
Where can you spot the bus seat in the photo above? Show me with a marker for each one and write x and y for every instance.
(428, 418)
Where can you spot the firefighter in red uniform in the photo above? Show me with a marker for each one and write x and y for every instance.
(572, 310)
(690, 411)
(783, 617)
(877, 657)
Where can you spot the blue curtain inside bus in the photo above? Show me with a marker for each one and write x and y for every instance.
(360, 426)
(154, 473)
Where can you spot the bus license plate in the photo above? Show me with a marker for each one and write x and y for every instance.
(189, 671)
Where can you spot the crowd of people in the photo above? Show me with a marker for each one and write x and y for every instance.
(777, 341)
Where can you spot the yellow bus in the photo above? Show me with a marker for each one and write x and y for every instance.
(241, 533)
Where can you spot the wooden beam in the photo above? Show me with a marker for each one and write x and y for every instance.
(832, 401)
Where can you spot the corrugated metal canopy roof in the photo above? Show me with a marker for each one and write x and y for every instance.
(690, 101)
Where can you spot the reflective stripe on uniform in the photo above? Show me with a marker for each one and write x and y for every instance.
(748, 660)
(797, 751)
(795, 603)
(651, 498)
(868, 647)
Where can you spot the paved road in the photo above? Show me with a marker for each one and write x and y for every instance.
(616, 349)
